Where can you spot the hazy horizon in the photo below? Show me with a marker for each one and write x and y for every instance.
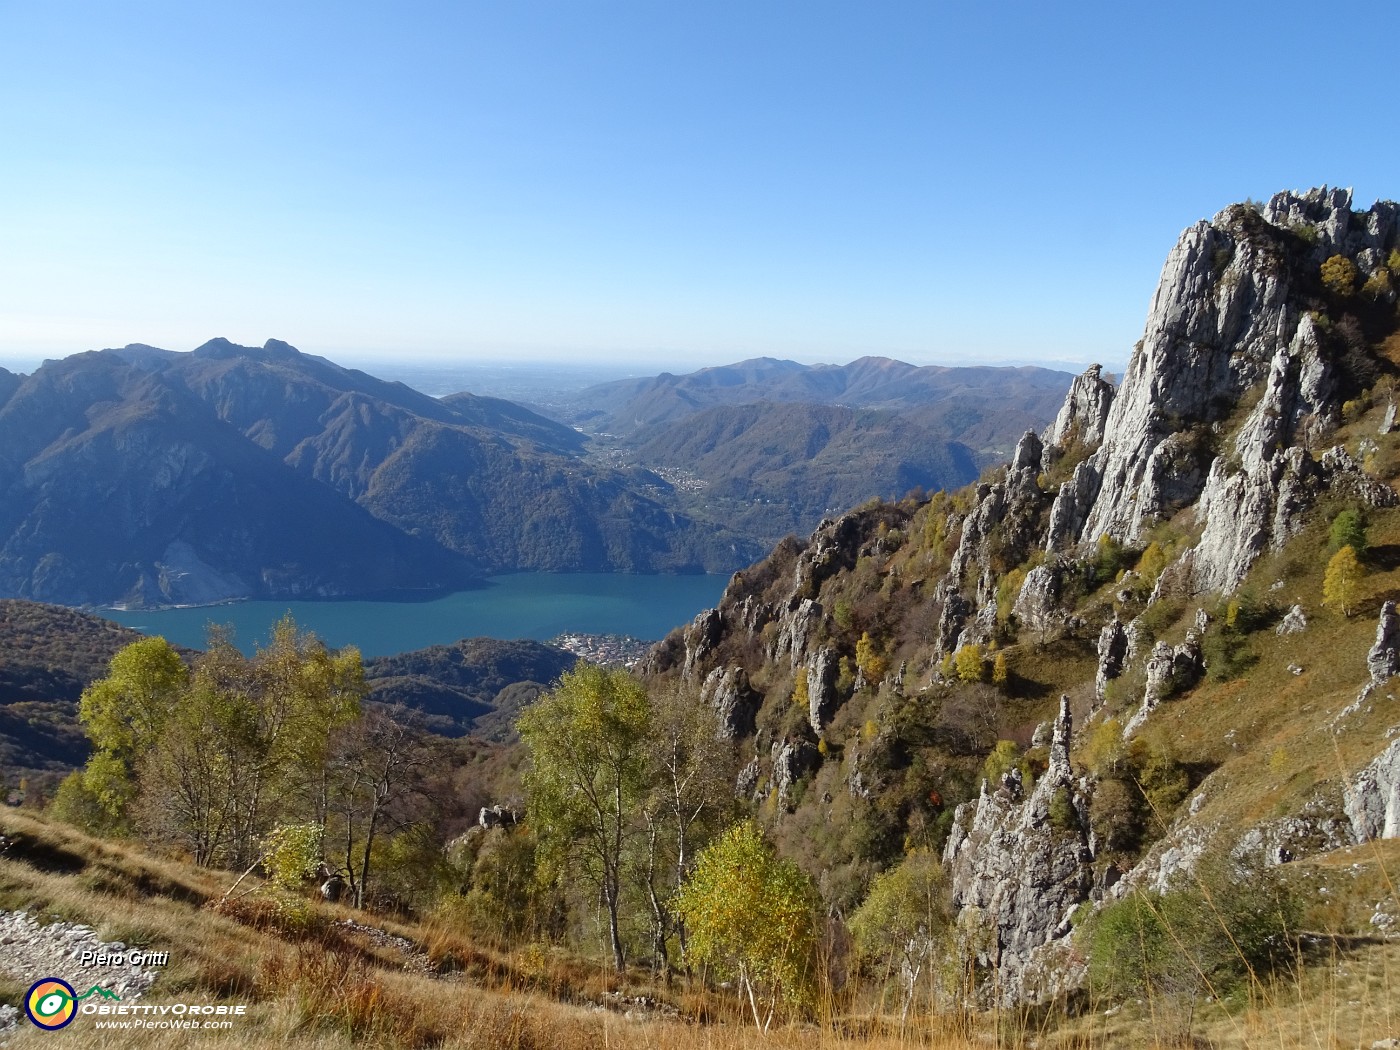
(665, 185)
(571, 373)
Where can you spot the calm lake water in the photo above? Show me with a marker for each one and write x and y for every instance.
(522, 605)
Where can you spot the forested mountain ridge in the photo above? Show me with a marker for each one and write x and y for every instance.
(624, 406)
(770, 447)
(1102, 666)
(779, 467)
(148, 477)
(48, 656)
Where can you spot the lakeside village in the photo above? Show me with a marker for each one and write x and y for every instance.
(608, 650)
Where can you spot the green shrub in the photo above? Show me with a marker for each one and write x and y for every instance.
(1003, 758)
(1227, 655)
(1063, 815)
(1348, 530)
(1226, 926)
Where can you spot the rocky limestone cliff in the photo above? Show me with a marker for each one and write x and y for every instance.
(1224, 433)
(1019, 866)
(1229, 318)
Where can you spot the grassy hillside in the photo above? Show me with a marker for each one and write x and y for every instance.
(313, 974)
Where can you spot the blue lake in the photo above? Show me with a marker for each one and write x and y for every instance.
(521, 605)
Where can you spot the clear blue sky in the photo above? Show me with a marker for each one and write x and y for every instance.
(671, 181)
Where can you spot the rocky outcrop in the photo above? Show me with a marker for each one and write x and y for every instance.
(834, 546)
(1113, 655)
(1295, 621)
(1372, 798)
(1029, 451)
(791, 760)
(1229, 317)
(795, 632)
(700, 639)
(1169, 670)
(1383, 660)
(735, 702)
(1037, 607)
(1085, 411)
(1018, 869)
(822, 700)
(1317, 828)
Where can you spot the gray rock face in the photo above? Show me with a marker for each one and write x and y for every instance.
(746, 783)
(736, 703)
(1113, 654)
(1038, 605)
(1372, 798)
(1085, 411)
(1382, 660)
(822, 701)
(1017, 875)
(791, 759)
(1028, 453)
(1226, 318)
(795, 632)
(701, 637)
(1294, 622)
(1168, 670)
(1071, 506)
(833, 547)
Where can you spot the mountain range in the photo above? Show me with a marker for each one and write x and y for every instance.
(144, 477)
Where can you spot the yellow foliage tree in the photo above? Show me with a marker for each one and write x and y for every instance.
(800, 698)
(1339, 274)
(1152, 562)
(999, 672)
(969, 661)
(1342, 581)
(869, 659)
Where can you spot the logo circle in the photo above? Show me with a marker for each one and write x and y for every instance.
(51, 1003)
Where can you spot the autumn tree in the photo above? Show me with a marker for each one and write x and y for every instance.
(267, 721)
(903, 917)
(750, 915)
(587, 777)
(1000, 673)
(210, 758)
(376, 764)
(691, 780)
(1342, 581)
(1339, 275)
(124, 715)
(801, 698)
(870, 660)
(970, 662)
